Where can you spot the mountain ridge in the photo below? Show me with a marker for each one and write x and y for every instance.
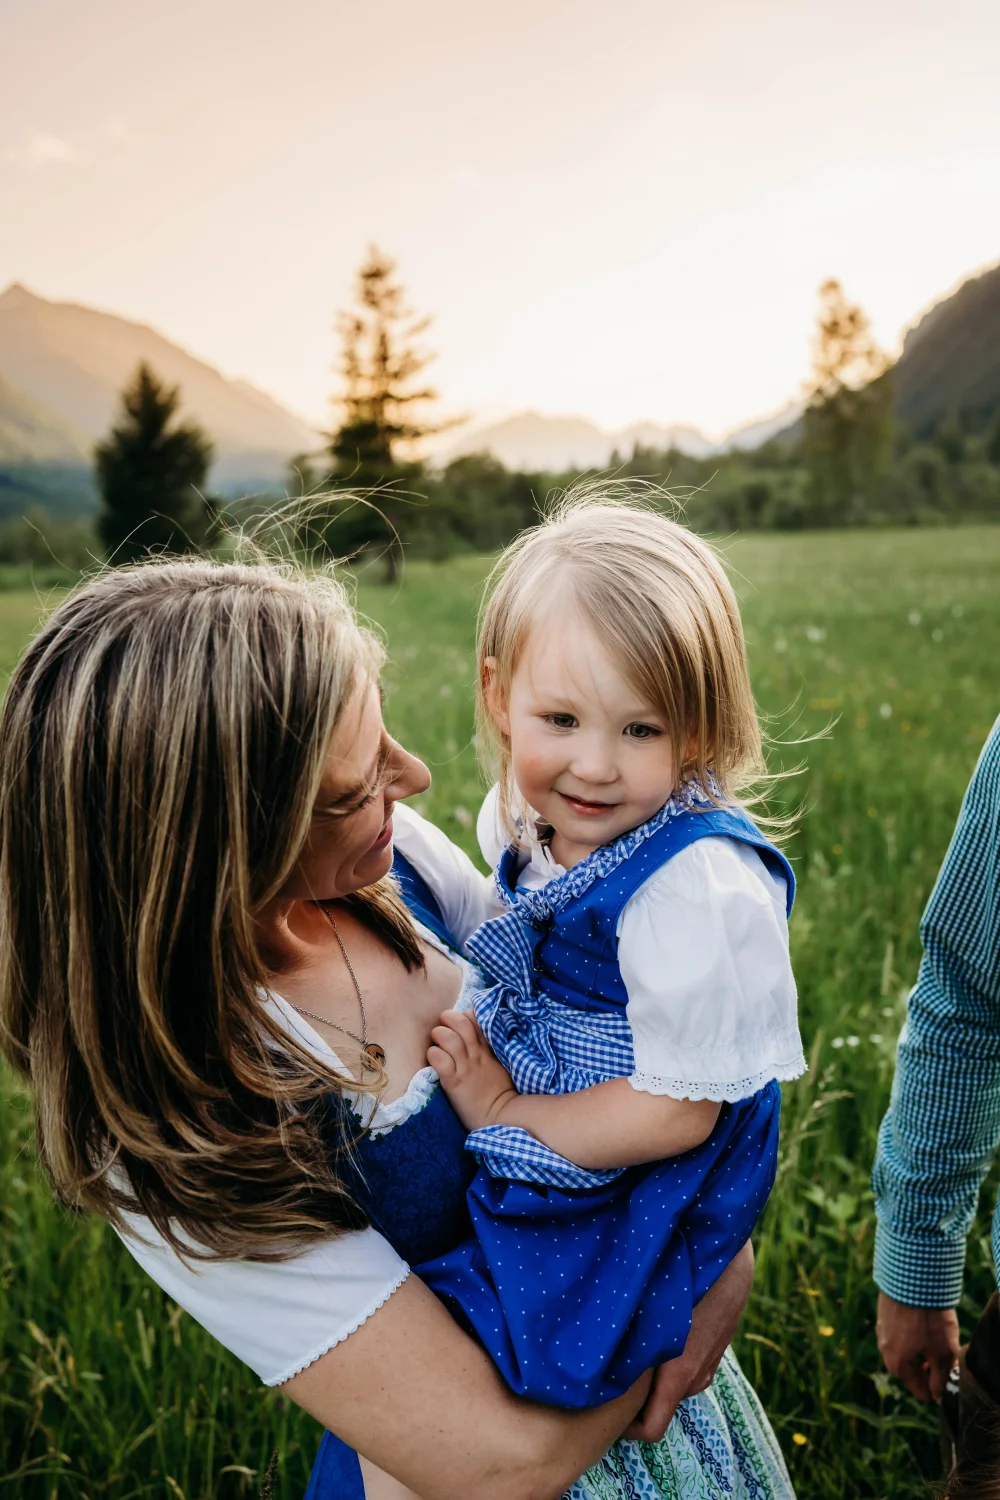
(72, 361)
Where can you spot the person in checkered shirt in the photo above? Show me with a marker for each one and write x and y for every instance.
(940, 1133)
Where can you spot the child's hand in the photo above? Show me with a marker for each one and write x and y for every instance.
(477, 1085)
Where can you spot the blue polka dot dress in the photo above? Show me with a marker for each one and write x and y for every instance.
(577, 1281)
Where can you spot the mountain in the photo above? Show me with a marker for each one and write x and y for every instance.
(951, 359)
(31, 435)
(533, 442)
(72, 362)
(537, 443)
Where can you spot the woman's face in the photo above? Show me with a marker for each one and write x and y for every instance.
(366, 774)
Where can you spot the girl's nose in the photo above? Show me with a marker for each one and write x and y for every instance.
(593, 761)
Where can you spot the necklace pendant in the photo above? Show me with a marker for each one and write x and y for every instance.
(373, 1057)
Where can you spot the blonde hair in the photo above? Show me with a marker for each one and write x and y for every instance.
(658, 597)
(162, 744)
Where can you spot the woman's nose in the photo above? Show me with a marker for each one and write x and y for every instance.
(408, 776)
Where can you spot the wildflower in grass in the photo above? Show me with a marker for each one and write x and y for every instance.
(838, 848)
(914, 617)
(781, 644)
(815, 633)
(937, 635)
(799, 1439)
(852, 1041)
(885, 709)
(462, 816)
(838, 1042)
(876, 1038)
(826, 1329)
(445, 690)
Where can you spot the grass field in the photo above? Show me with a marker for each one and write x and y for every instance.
(891, 641)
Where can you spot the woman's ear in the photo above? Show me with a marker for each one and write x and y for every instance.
(495, 700)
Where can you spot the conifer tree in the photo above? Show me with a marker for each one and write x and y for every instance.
(150, 473)
(372, 449)
(847, 424)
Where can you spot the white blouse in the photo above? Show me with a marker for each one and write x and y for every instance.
(280, 1316)
(703, 952)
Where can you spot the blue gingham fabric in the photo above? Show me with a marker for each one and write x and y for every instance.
(549, 1047)
(939, 1136)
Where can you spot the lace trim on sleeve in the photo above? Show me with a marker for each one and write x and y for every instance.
(720, 1093)
(339, 1338)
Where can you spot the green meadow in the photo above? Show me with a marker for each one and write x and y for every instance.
(875, 661)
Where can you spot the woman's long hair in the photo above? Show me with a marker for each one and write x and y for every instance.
(161, 747)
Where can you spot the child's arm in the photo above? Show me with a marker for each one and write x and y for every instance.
(609, 1125)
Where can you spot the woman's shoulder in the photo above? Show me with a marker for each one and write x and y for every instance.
(465, 894)
(276, 1316)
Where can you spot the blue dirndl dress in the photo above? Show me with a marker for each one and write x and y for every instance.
(413, 1182)
(577, 1281)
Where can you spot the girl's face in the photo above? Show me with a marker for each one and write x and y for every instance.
(366, 774)
(589, 754)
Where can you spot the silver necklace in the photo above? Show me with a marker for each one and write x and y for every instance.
(372, 1055)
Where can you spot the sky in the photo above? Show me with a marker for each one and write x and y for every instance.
(619, 210)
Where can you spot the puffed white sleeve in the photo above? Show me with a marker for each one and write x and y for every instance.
(278, 1317)
(703, 952)
(466, 896)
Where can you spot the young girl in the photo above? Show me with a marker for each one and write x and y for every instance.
(619, 1075)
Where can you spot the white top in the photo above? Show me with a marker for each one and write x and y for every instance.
(703, 952)
(279, 1317)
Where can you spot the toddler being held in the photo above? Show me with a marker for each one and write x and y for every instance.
(619, 1077)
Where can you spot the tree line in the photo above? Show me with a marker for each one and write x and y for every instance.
(846, 461)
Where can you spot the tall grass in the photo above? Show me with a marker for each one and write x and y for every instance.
(890, 642)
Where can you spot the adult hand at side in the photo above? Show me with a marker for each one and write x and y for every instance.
(919, 1345)
(715, 1321)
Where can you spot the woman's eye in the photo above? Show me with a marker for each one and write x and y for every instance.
(641, 731)
(561, 721)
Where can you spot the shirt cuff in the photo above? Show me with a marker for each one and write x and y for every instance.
(918, 1272)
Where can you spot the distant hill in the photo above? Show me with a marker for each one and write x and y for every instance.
(71, 362)
(534, 442)
(951, 359)
(31, 435)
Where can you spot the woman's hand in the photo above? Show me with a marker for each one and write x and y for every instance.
(918, 1344)
(715, 1321)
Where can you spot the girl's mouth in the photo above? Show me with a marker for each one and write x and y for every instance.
(587, 809)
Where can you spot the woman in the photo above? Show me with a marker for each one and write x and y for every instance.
(203, 971)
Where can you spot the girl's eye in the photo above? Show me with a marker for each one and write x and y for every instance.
(561, 721)
(641, 732)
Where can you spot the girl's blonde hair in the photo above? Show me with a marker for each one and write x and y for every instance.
(162, 744)
(658, 598)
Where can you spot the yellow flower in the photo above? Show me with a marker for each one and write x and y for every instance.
(799, 1439)
(826, 1330)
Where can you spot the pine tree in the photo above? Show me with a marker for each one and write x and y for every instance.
(150, 472)
(372, 448)
(847, 424)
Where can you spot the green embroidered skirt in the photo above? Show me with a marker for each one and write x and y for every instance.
(718, 1447)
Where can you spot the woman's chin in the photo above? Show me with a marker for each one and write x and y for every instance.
(374, 867)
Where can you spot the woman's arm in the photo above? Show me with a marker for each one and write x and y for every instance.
(413, 1393)
(609, 1125)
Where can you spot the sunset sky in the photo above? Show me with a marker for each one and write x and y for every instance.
(620, 209)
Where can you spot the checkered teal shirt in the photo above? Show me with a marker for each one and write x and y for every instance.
(939, 1135)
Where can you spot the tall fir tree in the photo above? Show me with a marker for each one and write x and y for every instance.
(847, 424)
(372, 449)
(151, 474)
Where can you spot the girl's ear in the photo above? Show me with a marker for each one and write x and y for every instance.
(495, 700)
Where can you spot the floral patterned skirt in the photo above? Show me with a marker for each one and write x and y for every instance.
(719, 1446)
